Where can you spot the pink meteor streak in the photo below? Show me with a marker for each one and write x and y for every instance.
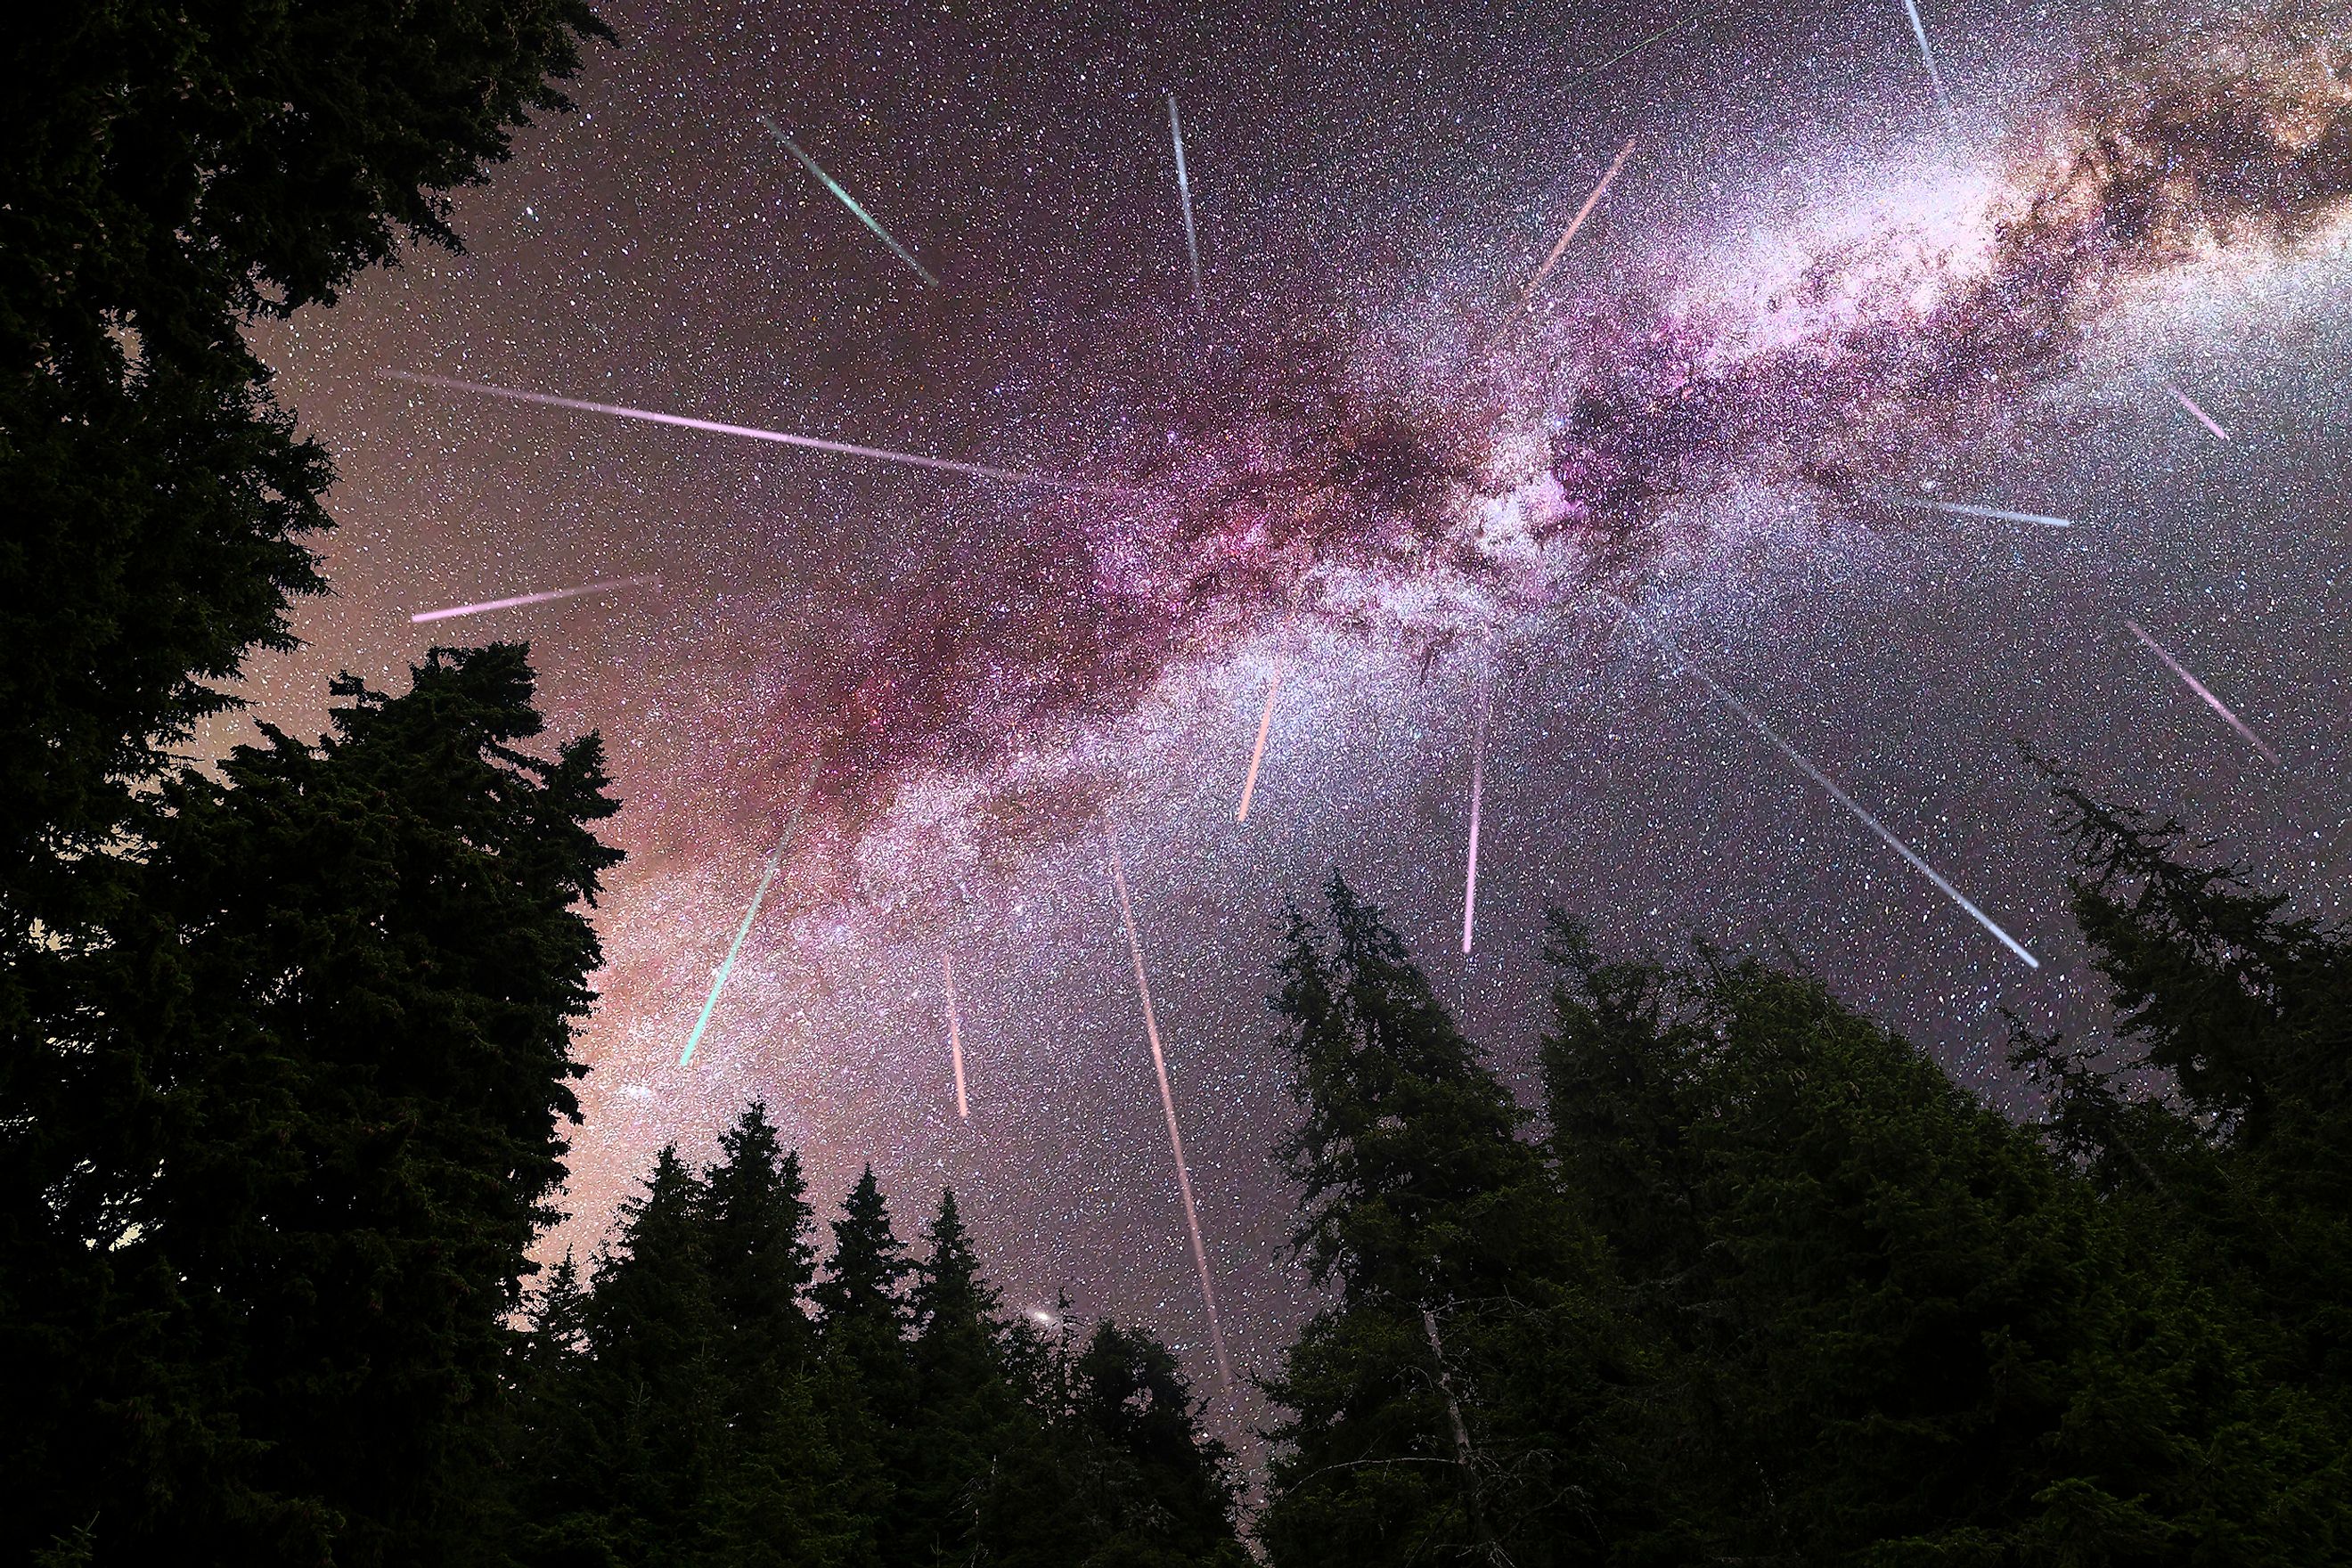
(1576, 223)
(2199, 687)
(1910, 856)
(1265, 725)
(1175, 1139)
(521, 599)
(955, 1038)
(1257, 752)
(2203, 418)
(751, 433)
(1477, 793)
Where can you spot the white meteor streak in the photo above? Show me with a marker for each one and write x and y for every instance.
(2202, 417)
(847, 200)
(767, 874)
(520, 599)
(751, 432)
(1919, 31)
(1529, 294)
(1175, 1139)
(1964, 510)
(1185, 193)
(2197, 686)
(1477, 793)
(955, 1038)
(1909, 856)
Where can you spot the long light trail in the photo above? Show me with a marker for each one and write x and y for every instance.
(520, 599)
(2197, 686)
(1963, 508)
(955, 1038)
(1934, 76)
(1633, 50)
(1184, 194)
(1264, 724)
(1910, 856)
(1529, 294)
(751, 432)
(1477, 797)
(847, 200)
(767, 874)
(2202, 417)
(1257, 751)
(1175, 1137)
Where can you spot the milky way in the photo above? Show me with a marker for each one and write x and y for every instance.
(1806, 385)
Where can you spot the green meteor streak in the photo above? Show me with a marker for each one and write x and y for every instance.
(1637, 48)
(847, 200)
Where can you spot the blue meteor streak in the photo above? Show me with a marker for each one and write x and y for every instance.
(847, 200)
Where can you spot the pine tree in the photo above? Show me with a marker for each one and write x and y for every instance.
(1172, 1489)
(866, 1381)
(353, 984)
(774, 1503)
(1457, 1400)
(963, 1411)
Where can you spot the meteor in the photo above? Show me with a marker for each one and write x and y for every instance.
(719, 983)
(1477, 791)
(1257, 752)
(2199, 687)
(2202, 417)
(751, 432)
(847, 200)
(1175, 1139)
(1964, 510)
(1529, 294)
(521, 599)
(1919, 31)
(1909, 856)
(1636, 49)
(1264, 724)
(1185, 193)
(955, 1038)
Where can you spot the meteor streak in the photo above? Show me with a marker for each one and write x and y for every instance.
(1175, 1139)
(2202, 417)
(751, 432)
(520, 599)
(847, 200)
(1919, 31)
(1257, 752)
(719, 983)
(1184, 192)
(1529, 294)
(1965, 509)
(2199, 687)
(955, 1038)
(1265, 723)
(1477, 793)
(1636, 49)
(1909, 856)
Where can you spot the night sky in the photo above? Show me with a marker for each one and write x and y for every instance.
(1351, 467)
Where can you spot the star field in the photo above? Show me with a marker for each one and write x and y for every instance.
(1350, 467)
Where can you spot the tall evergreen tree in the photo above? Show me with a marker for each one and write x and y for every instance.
(353, 984)
(1456, 1400)
(866, 1382)
(1170, 1486)
(174, 174)
(774, 1500)
(964, 1412)
(1891, 1328)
